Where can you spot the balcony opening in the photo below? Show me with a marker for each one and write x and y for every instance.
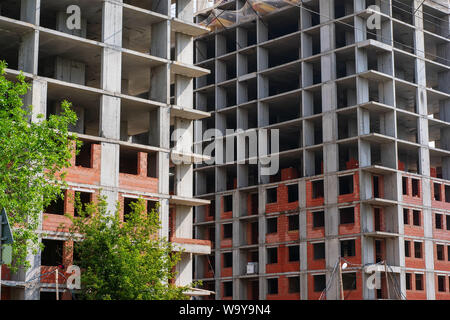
(228, 231)
(405, 216)
(255, 233)
(272, 286)
(416, 218)
(11, 9)
(441, 284)
(403, 10)
(56, 206)
(228, 288)
(407, 248)
(254, 203)
(293, 193)
(319, 282)
(447, 193)
(415, 187)
(52, 255)
(228, 203)
(151, 205)
(152, 165)
(437, 191)
(84, 157)
(347, 248)
(317, 187)
(127, 208)
(347, 215)
(440, 252)
(85, 199)
(228, 260)
(349, 280)
(376, 186)
(293, 223)
(346, 185)
(319, 250)
(438, 220)
(212, 236)
(294, 253)
(128, 162)
(282, 23)
(271, 195)
(408, 280)
(419, 281)
(272, 255)
(417, 250)
(404, 185)
(377, 216)
(294, 285)
(272, 225)
(378, 250)
(318, 219)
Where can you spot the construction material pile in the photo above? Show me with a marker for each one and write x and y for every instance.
(224, 18)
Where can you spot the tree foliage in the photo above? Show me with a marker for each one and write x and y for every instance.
(123, 260)
(33, 156)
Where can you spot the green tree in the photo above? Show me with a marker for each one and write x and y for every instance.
(33, 156)
(123, 260)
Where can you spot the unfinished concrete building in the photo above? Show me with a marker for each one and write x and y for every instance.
(128, 71)
(364, 153)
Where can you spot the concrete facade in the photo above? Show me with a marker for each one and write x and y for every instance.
(128, 71)
(364, 161)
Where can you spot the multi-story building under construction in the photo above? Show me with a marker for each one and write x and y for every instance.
(127, 68)
(360, 207)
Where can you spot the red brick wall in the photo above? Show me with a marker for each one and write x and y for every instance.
(351, 196)
(283, 233)
(439, 204)
(283, 291)
(312, 295)
(79, 174)
(412, 230)
(225, 243)
(139, 182)
(283, 265)
(224, 214)
(314, 264)
(310, 202)
(443, 265)
(282, 203)
(412, 262)
(208, 210)
(311, 232)
(441, 295)
(414, 294)
(442, 234)
(351, 228)
(408, 198)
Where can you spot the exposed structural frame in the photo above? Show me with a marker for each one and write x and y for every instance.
(128, 72)
(364, 158)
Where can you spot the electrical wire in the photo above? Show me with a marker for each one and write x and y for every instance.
(327, 287)
(418, 7)
(409, 12)
(373, 33)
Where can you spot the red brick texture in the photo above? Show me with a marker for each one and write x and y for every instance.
(282, 203)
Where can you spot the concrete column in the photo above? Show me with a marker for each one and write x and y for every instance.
(30, 11)
(262, 240)
(28, 52)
